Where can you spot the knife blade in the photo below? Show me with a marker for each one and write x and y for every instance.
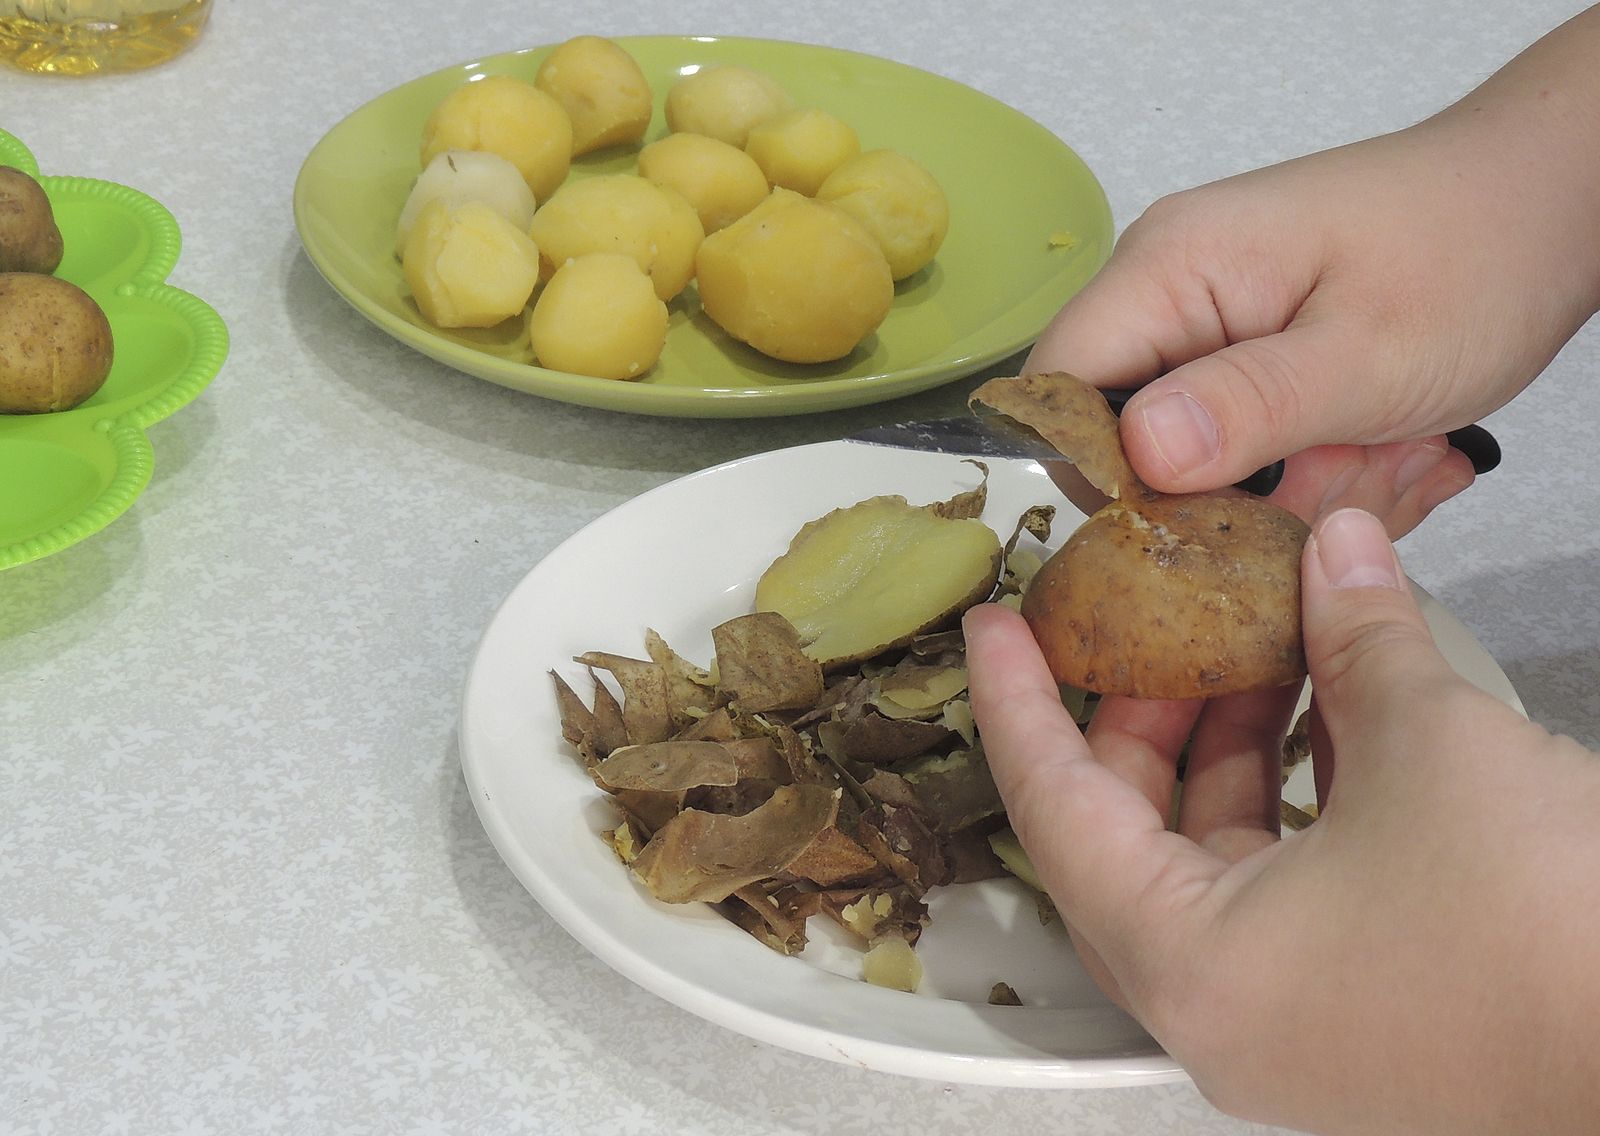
(986, 434)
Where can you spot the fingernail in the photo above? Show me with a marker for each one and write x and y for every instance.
(1181, 431)
(1417, 465)
(1355, 552)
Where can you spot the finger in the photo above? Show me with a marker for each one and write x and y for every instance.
(1101, 848)
(1234, 777)
(1140, 739)
(1398, 482)
(1371, 657)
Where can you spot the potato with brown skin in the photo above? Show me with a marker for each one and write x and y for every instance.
(29, 238)
(1155, 596)
(55, 344)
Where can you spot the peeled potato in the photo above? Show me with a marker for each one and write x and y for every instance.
(602, 88)
(510, 117)
(55, 344)
(724, 102)
(796, 279)
(798, 149)
(29, 238)
(722, 182)
(468, 266)
(599, 315)
(459, 176)
(1156, 596)
(899, 202)
(622, 213)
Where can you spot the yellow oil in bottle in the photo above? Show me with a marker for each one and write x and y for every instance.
(84, 37)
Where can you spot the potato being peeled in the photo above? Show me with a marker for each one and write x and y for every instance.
(55, 344)
(599, 315)
(899, 202)
(724, 102)
(602, 88)
(29, 238)
(1156, 596)
(510, 117)
(722, 182)
(621, 213)
(800, 148)
(468, 266)
(796, 279)
(459, 176)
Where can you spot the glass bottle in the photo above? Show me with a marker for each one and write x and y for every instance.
(83, 37)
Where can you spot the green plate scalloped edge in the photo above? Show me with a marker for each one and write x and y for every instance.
(67, 475)
(1000, 277)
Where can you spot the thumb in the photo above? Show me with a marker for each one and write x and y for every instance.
(1368, 648)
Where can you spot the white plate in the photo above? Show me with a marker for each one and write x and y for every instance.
(681, 559)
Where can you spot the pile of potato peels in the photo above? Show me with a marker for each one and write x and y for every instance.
(776, 784)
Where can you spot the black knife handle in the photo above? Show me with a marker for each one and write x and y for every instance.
(1477, 443)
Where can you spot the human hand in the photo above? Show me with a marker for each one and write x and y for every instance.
(1349, 307)
(1416, 960)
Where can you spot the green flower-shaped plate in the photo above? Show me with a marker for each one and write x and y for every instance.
(65, 476)
(1029, 226)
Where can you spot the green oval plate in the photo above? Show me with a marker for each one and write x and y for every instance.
(1015, 190)
(67, 475)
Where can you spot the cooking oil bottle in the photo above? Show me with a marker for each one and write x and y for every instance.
(84, 37)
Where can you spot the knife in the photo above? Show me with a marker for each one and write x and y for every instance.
(988, 434)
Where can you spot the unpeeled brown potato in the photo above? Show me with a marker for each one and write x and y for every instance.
(798, 280)
(55, 344)
(602, 88)
(510, 117)
(29, 238)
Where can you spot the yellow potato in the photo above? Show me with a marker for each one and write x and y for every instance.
(459, 176)
(55, 344)
(602, 88)
(29, 238)
(722, 182)
(599, 315)
(510, 117)
(621, 213)
(724, 102)
(797, 279)
(798, 149)
(899, 202)
(468, 266)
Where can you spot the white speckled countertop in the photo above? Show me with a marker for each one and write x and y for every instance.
(242, 886)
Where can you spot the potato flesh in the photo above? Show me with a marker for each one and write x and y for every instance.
(460, 176)
(602, 89)
(468, 266)
(800, 148)
(725, 102)
(898, 200)
(599, 316)
(622, 213)
(796, 279)
(510, 117)
(873, 576)
(722, 182)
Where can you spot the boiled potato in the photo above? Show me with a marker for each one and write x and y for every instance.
(724, 102)
(468, 266)
(604, 92)
(899, 202)
(621, 213)
(510, 117)
(599, 315)
(722, 182)
(55, 344)
(1174, 597)
(797, 279)
(29, 238)
(1155, 596)
(459, 176)
(800, 148)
